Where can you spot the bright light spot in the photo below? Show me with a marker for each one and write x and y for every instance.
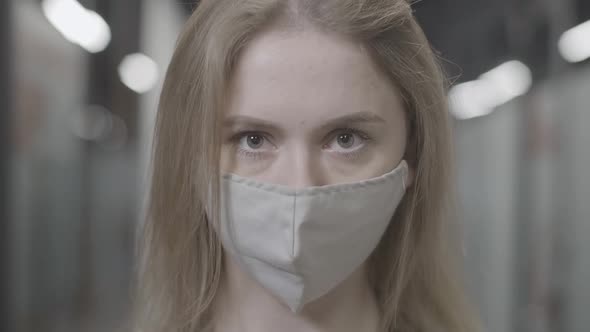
(574, 44)
(490, 90)
(138, 72)
(468, 100)
(509, 80)
(78, 24)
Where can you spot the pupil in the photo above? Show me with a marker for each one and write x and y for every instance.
(254, 141)
(345, 140)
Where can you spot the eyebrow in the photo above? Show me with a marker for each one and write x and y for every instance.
(363, 117)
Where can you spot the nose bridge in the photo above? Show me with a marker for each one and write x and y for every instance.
(302, 167)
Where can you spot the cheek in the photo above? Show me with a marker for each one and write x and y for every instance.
(227, 161)
(398, 136)
(231, 162)
(383, 156)
(393, 149)
(399, 144)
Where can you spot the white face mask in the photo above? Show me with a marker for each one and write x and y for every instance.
(300, 244)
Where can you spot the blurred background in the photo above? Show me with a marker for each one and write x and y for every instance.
(78, 93)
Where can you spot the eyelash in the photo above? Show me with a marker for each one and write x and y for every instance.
(235, 140)
(251, 155)
(353, 155)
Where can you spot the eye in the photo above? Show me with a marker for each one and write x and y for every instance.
(347, 141)
(253, 141)
(252, 145)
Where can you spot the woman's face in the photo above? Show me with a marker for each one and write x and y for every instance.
(309, 108)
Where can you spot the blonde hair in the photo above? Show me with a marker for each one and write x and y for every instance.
(412, 270)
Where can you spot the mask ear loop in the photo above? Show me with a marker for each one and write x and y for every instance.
(404, 177)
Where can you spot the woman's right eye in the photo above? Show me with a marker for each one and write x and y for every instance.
(252, 145)
(252, 141)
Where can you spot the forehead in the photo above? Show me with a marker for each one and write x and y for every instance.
(308, 75)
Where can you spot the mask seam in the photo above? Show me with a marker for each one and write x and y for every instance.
(329, 189)
(293, 226)
(240, 252)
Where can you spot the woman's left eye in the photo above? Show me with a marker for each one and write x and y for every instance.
(346, 141)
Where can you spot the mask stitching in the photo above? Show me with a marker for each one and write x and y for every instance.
(293, 226)
(329, 189)
(315, 191)
(241, 252)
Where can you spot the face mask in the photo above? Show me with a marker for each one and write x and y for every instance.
(300, 244)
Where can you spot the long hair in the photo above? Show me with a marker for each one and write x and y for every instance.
(413, 269)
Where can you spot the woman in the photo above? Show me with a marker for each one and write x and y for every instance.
(301, 174)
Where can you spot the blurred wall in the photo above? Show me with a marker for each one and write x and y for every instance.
(487, 167)
(73, 184)
(5, 147)
(571, 96)
(524, 193)
(45, 182)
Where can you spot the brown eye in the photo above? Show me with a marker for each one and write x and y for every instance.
(345, 140)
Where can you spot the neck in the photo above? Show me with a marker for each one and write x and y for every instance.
(244, 305)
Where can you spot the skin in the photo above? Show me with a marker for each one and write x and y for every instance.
(307, 108)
